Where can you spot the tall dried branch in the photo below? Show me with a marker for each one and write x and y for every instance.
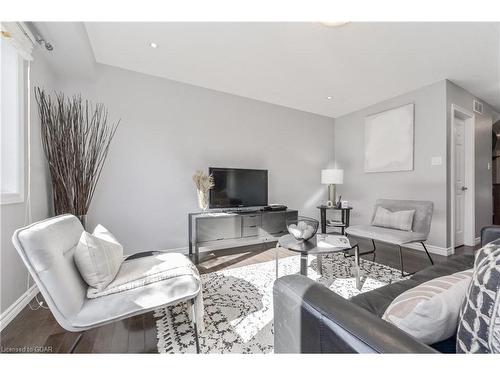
(76, 137)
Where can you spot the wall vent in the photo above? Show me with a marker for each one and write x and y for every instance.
(478, 106)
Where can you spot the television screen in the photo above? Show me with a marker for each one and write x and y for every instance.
(238, 188)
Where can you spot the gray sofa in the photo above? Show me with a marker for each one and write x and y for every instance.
(419, 233)
(310, 318)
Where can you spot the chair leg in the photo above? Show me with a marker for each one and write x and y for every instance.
(374, 250)
(195, 325)
(75, 344)
(401, 261)
(428, 255)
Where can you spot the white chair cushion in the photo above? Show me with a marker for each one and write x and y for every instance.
(98, 257)
(394, 236)
(136, 273)
(429, 312)
(400, 220)
(143, 284)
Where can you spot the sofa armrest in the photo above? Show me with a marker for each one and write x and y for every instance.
(489, 234)
(309, 318)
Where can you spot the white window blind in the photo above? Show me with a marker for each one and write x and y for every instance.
(12, 124)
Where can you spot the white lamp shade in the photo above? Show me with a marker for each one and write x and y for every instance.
(332, 176)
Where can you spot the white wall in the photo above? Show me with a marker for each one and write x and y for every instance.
(170, 129)
(425, 182)
(13, 272)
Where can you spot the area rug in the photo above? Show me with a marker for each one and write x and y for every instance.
(239, 303)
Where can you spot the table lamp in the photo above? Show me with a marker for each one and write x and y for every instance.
(331, 177)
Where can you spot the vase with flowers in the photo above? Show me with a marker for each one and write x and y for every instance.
(203, 184)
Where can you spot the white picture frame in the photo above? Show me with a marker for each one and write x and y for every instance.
(389, 140)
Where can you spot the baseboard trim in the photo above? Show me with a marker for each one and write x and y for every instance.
(415, 246)
(182, 250)
(444, 251)
(14, 309)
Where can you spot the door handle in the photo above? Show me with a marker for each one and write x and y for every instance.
(464, 188)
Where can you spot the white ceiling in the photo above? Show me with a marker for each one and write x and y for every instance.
(298, 65)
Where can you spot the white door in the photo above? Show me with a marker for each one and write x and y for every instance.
(460, 188)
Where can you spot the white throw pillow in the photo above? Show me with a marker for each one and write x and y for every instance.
(98, 257)
(429, 312)
(401, 220)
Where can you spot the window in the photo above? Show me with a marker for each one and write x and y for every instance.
(12, 124)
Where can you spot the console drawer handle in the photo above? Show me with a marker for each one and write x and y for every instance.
(252, 226)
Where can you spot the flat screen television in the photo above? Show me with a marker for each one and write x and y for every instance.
(238, 188)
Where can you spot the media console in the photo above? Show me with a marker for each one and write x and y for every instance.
(222, 230)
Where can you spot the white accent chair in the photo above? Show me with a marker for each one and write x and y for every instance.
(418, 234)
(47, 248)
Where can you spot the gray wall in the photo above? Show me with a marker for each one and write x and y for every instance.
(483, 174)
(432, 138)
(425, 182)
(169, 130)
(13, 273)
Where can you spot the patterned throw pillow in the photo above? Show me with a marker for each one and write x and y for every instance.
(479, 325)
(401, 220)
(429, 312)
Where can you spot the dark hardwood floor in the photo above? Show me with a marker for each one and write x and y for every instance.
(37, 330)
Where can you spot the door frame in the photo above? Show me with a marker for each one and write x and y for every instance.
(470, 178)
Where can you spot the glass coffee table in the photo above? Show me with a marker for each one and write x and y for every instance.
(318, 245)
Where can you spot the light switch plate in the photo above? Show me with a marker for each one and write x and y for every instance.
(436, 160)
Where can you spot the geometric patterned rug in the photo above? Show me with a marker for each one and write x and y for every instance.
(239, 303)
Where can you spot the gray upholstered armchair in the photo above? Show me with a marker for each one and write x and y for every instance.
(47, 249)
(418, 234)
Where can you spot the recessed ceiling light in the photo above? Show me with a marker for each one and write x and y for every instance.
(334, 23)
(329, 97)
(153, 45)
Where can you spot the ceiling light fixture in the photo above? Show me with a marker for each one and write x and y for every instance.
(334, 23)
(153, 45)
(329, 97)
